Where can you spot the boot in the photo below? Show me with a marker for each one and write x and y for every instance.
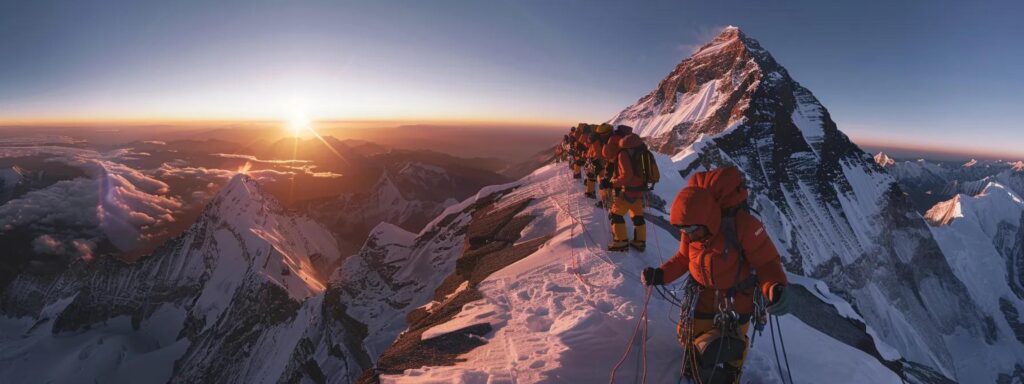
(620, 242)
(638, 245)
(639, 238)
(618, 246)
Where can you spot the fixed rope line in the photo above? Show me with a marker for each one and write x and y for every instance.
(586, 232)
(632, 340)
(782, 341)
(778, 364)
(572, 238)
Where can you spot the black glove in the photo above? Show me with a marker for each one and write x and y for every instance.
(652, 276)
(778, 301)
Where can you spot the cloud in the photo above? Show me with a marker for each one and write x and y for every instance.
(83, 249)
(63, 205)
(256, 160)
(115, 202)
(48, 245)
(698, 36)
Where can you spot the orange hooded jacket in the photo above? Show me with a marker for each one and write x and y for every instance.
(626, 176)
(595, 147)
(702, 202)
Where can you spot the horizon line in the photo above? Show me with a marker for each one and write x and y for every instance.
(860, 139)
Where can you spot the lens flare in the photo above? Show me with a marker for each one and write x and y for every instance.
(298, 125)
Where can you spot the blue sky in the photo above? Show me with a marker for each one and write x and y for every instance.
(917, 73)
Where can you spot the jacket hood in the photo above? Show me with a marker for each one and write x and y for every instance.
(725, 184)
(631, 141)
(611, 148)
(695, 205)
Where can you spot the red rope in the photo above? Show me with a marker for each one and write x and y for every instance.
(641, 321)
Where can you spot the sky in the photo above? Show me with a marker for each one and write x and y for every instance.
(918, 73)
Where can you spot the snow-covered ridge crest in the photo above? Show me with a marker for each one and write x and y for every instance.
(299, 249)
(995, 203)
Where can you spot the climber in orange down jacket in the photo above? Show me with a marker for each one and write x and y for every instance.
(722, 264)
(633, 187)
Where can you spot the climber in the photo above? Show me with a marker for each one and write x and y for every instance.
(635, 175)
(592, 164)
(579, 136)
(566, 146)
(603, 164)
(610, 154)
(733, 264)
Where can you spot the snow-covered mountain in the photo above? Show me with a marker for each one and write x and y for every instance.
(513, 284)
(840, 220)
(833, 212)
(236, 298)
(408, 195)
(930, 182)
(982, 237)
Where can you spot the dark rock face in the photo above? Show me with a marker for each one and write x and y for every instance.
(835, 215)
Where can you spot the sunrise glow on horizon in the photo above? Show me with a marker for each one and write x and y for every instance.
(526, 63)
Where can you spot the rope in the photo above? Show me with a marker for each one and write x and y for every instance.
(629, 347)
(782, 341)
(572, 238)
(584, 240)
(771, 328)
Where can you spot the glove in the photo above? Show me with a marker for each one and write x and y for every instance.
(778, 300)
(652, 276)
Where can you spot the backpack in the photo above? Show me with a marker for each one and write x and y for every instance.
(730, 190)
(645, 166)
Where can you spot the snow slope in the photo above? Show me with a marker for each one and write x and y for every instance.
(566, 312)
(230, 300)
(981, 238)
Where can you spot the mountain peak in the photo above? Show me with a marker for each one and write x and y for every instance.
(730, 39)
(240, 185)
(712, 91)
(884, 160)
(944, 212)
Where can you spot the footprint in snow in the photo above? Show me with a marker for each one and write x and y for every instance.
(551, 287)
(538, 323)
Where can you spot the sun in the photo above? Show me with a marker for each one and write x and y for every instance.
(298, 124)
